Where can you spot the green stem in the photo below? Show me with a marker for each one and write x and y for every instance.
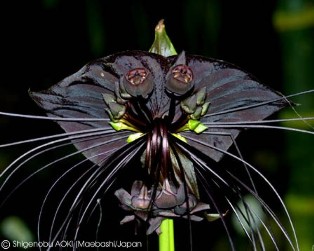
(166, 238)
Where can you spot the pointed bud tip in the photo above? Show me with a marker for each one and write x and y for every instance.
(162, 44)
(160, 26)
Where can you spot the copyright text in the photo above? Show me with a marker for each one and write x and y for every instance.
(5, 244)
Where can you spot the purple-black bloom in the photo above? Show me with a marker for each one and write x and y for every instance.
(169, 202)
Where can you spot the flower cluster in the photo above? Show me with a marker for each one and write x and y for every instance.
(167, 201)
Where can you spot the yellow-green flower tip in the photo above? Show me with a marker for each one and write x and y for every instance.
(180, 137)
(118, 126)
(162, 44)
(134, 136)
(193, 124)
(200, 128)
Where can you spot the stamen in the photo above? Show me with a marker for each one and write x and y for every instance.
(182, 73)
(137, 76)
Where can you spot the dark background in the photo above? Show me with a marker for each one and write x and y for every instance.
(44, 41)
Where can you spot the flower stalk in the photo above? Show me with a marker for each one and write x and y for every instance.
(162, 45)
(166, 238)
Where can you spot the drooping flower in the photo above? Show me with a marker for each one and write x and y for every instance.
(169, 202)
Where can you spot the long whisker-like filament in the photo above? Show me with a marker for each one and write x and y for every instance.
(186, 195)
(207, 190)
(104, 130)
(70, 169)
(253, 192)
(134, 149)
(222, 125)
(49, 164)
(266, 121)
(227, 184)
(28, 116)
(43, 146)
(112, 168)
(240, 108)
(64, 196)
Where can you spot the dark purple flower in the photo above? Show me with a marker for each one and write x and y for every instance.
(171, 118)
(170, 202)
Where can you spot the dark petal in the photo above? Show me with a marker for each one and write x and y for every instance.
(154, 225)
(167, 197)
(189, 174)
(81, 96)
(180, 210)
(165, 201)
(123, 196)
(200, 207)
(168, 214)
(142, 200)
(99, 77)
(221, 138)
(234, 96)
(143, 215)
(136, 187)
(127, 219)
(195, 218)
(183, 209)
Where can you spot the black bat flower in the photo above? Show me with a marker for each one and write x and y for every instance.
(176, 114)
(171, 120)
